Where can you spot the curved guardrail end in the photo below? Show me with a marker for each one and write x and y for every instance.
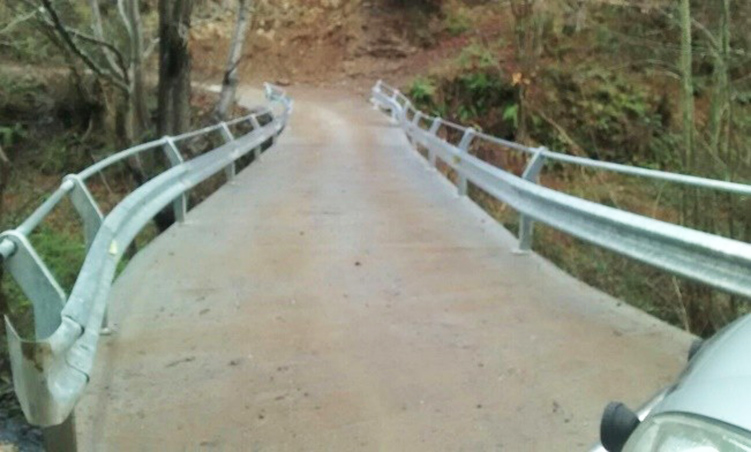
(51, 372)
(37, 283)
(45, 385)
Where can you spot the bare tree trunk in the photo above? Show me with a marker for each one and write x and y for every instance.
(725, 49)
(183, 10)
(127, 126)
(174, 77)
(528, 27)
(132, 18)
(96, 25)
(695, 298)
(720, 104)
(229, 83)
(166, 70)
(174, 66)
(123, 120)
(726, 131)
(687, 99)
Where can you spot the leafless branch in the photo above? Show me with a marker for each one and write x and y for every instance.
(111, 56)
(67, 38)
(150, 49)
(18, 20)
(121, 64)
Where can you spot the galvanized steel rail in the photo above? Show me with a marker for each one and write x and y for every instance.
(51, 371)
(717, 261)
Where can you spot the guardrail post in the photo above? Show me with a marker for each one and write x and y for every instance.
(395, 100)
(92, 218)
(48, 300)
(61, 438)
(407, 107)
(526, 224)
(86, 207)
(231, 170)
(463, 146)
(37, 283)
(376, 90)
(415, 124)
(433, 131)
(256, 126)
(180, 205)
(416, 119)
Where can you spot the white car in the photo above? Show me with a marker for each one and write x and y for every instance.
(708, 409)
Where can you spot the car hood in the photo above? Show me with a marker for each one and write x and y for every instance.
(717, 381)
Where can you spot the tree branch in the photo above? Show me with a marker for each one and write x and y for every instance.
(714, 44)
(150, 49)
(87, 60)
(121, 64)
(17, 21)
(96, 25)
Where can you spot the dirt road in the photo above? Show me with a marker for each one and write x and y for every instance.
(340, 296)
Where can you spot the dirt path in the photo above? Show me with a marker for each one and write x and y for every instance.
(339, 296)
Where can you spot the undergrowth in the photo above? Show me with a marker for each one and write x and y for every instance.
(586, 109)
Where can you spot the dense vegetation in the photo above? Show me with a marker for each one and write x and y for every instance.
(605, 80)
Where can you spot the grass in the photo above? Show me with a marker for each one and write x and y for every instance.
(458, 22)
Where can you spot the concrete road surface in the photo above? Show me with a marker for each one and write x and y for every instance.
(339, 296)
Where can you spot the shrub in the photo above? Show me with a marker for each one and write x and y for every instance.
(422, 91)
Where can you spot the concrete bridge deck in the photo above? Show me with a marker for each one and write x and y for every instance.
(339, 296)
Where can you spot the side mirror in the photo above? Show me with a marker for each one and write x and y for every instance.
(617, 425)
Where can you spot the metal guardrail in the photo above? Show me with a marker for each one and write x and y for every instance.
(716, 261)
(51, 371)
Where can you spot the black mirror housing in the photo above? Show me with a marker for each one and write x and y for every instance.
(617, 425)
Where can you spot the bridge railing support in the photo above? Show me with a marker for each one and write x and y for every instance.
(231, 170)
(256, 125)
(433, 131)
(61, 438)
(463, 146)
(526, 224)
(180, 204)
(415, 122)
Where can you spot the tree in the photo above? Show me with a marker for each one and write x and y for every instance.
(130, 12)
(229, 83)
(115, 64)
(528, 27)
(174, 66)
(687, 97)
